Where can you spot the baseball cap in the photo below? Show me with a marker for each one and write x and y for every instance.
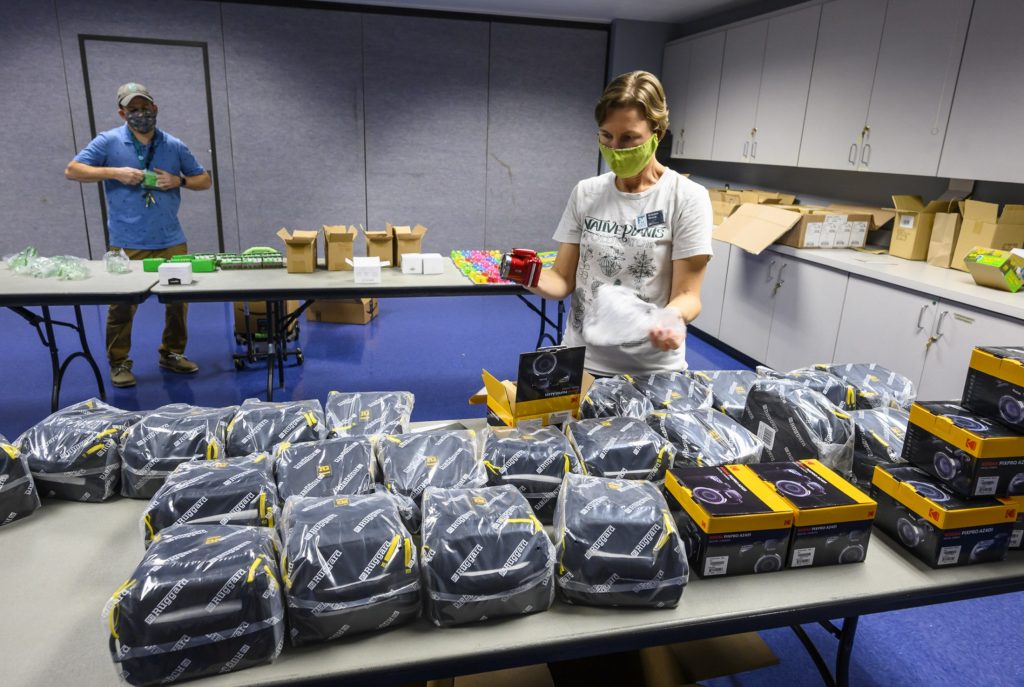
(132, 90)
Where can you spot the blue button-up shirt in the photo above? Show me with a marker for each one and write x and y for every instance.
(130, 223)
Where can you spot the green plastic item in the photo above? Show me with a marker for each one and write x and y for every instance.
(260, 250)
(152, 264)
(204, 265)
(205, 256)
(149, 179)
(183, 258)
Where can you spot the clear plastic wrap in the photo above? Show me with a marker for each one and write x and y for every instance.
(117, 261)
(71, 268)
(618, 316)
(839, 393)
(707, 437)
(258, 426)
(796, 422)
(614, 397)
(621, 447)
(20, 262)
(18, 495)
(237, 491)
(617, 544)
(878, 440)
(349, 566)
(729, 389)
(331, 467)
(672, 391)
(532, 459)
(167, 437)
(877, 386)
(485, 556)
(74, 454)
(412, 462)
(203, 601)
(369, 412)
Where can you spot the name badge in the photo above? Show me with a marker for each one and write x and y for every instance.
(650, 219)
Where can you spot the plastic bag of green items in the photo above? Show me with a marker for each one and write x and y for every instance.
(69, 268)
(19, 263)
(64, 267)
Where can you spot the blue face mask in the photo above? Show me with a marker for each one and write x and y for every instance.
(142, 121)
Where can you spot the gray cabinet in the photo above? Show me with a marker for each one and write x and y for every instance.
(712, 293)
(983, 138)
(749, 301)
(737, 99)
(675, 78)
(701, 60)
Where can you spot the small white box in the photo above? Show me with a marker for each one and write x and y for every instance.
(433, 263)
(366, 270)
(175, 273)
(412, 263)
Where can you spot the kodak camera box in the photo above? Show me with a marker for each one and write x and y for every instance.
(995, 385)
(549, 386)
(831, 517)
(732, 522)
(973, 455)
(938, 526)
(1017, 535)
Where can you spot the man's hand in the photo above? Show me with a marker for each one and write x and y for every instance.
(129, 176)
(165, 181)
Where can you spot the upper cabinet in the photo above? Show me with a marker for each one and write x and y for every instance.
(675, 77)
(693, 134)
(983, 139)
(737, 99)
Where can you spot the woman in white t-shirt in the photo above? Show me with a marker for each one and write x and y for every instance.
(642, 225)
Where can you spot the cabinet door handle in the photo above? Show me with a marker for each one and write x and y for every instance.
(780, 281)
(771, 266)
(852, 158)
(746, 147)
(753, 150)
(938, 325)
(865, 154)
(920, 316)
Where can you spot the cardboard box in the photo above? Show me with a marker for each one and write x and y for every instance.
(942, 529)
(524, 676)
(725, 201)
(997, 269)
(984, 226)
(995, 389)
(257, 314)
(407, 240)
(912, 231)
(971, 454)
(433, 263)
(548, 388)
(732, 522)
(300, 250)
(1017, 535)
(175, 273)
(412, 263)
(755, 227)
(339, 242)
(381, 244)
(343, 311)
(832, 518)
(686, 663)
(880, 217)
(367, 270)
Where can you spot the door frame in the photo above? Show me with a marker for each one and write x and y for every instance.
(82, 39)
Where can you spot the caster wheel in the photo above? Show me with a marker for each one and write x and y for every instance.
(239, 364)
(299, 359)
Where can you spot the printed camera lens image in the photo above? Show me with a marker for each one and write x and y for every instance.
(946, 466)
(968, 423)
(909, 532)
(1011, 409)
(929, 491)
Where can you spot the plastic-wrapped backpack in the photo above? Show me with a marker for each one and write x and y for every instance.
(485, 555)
(203, 601)
(621, 447)
(839, 393)
(877, 386)
(617, 544)
(707, 437)
(369, 412)
(796, 422)
(349, 566)
(332, 467)
(258, 426)
(614, 397)
(672, 391)
(532, 459)
(74, 454)
(237, 491)
(18, 495)
(167, 437)
(878, 440)
(729, 389)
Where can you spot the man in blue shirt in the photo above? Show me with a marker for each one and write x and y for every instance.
(142, 169)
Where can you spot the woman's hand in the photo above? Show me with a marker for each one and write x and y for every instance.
(667, 339)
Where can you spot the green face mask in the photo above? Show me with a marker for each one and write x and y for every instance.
(628, 162)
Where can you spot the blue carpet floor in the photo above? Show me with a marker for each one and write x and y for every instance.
(436, 349)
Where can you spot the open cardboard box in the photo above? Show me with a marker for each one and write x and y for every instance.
(983, 226)
(912, 229)
(997, 269)
(755, 227)
(725, 201)
(381, 244)
(300, 249)
(343, 310)
(339, 242)
(407, 240)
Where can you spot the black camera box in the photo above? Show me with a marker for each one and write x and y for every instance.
(731, 521)
(973, 455)
(995, 385)
(831, 517)
(937, 525)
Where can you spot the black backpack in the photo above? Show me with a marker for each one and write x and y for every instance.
(331, 467)
(237, 491)
(258, 426)
(617, 544)
(729, 389)
(707, 437)
(621, 447)
(167, 437)
(532, 460)
(18, 495)
(349, 566)
(614, 397)
(878, 440)
(74, 454)
(672, 390)
(369, 412)
(485, 555)
(204, 600)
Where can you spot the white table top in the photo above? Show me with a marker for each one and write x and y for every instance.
(278, 284)
(62, 563)
(915, 275)
(100, 288)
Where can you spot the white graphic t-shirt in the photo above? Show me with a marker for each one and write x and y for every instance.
(631, 239)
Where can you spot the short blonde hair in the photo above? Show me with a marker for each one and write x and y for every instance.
(636, 89)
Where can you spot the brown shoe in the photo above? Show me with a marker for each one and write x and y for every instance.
(176, 362)
(121, 375)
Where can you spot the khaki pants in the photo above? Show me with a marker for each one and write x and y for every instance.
(119, 317)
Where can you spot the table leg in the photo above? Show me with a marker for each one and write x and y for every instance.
(87, 354)
(282, 340)
(545, 321)
(846, 635)
(271, 349)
